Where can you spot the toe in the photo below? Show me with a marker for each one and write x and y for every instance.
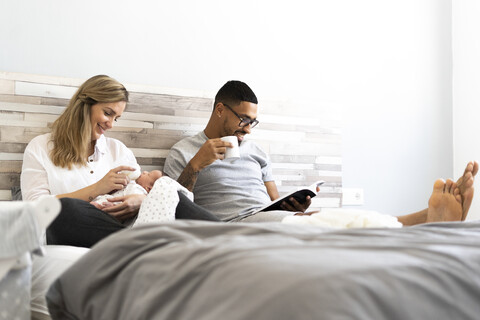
(439, 185)
(456, 192)
(448, 186)
(458, 197)
(475, 168)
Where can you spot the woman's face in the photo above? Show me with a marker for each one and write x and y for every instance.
(102, 116)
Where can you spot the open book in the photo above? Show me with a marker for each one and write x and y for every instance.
(299, 195)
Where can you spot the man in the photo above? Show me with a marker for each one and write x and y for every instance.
(233, 190)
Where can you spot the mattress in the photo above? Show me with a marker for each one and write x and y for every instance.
(206, 270)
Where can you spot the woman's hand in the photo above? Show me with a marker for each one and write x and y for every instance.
(128, 207)
(113, 180)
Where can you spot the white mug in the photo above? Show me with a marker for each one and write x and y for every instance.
(234, 152)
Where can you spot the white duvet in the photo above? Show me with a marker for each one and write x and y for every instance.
(346, 218)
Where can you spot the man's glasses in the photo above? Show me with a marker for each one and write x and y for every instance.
(243, 121)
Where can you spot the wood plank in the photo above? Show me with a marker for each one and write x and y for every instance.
(5, 195)
(274, 126)
(7, 147)
(75, 82)
(163, 118)
(8, 180)
(293, 166)
(168, 102)
(187, 127)
(310, 173)
(325, 129)
(148, 153)
(11, 156)
(11, 166)
(144, 140)
(41, 117)
(323, 137)
(7, 86)
(289, 107)
(44, 90)
(152, 167)
(316, 149)
(328, 160)
(25, 107)
(278, 158)
(277, 135)
(308, 120)
(306, 129)
(308, 180)
(54, 102)
(193, 113)
(20, 99)
(148, 109)
(328, 167)
(160, 162)
(9, 115)
(22, 123)
(133, 124)
(20, 134)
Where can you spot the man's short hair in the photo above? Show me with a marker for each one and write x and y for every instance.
(234, 92)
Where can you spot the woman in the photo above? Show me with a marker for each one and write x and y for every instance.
(74, 162)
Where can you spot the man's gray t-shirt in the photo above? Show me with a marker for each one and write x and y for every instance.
(227, 188)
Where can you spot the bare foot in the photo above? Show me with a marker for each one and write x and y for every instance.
(445, 203)
(465, 185)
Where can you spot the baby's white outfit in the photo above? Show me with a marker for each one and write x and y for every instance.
(161, 203)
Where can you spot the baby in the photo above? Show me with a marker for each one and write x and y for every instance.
(159, 205)
(139, 183)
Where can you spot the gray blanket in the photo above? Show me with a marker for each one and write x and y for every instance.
(201, 270)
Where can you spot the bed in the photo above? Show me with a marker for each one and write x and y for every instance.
(205, 270)
(156, 118)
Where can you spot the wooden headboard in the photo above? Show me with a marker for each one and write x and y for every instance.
(304, 147)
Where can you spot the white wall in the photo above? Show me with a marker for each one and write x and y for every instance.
(466, 87)
(388, 63)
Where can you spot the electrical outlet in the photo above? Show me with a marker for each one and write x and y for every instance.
(352, 196)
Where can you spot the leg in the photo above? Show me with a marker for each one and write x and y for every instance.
(444, 205)
(465, 187)
(186, 209)
(81, 224)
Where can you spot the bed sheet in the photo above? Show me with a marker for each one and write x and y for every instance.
(202, 270)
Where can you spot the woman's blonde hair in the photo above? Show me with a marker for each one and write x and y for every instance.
(72, 131)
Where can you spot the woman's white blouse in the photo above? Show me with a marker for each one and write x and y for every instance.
(41, 177)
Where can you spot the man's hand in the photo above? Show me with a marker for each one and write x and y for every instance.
(127, 208)
(294, 205)
(211, 150)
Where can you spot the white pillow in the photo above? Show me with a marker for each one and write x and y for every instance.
(46, 270)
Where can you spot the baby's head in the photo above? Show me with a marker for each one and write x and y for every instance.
(147, 179)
